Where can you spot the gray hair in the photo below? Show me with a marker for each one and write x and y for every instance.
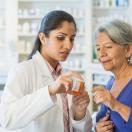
(119, 31)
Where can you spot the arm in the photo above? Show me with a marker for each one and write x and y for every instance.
(104, 96)
(18, 108)
(122, 109)
(81, 119)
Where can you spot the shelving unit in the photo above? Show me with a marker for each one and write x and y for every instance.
(22, 23)
(2, 42)
(7, 40)
(30, 12)
(2, 25)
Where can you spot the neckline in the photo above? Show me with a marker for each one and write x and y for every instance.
(122, 91)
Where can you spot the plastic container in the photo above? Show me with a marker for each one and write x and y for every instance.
(77, 88)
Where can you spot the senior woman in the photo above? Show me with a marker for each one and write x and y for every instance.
(114, 51)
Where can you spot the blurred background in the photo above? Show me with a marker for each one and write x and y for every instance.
(19, 23)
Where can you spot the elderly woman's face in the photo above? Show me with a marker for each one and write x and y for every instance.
(111, 55)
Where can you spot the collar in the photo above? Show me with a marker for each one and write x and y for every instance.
(45, 68)
(41, 64)
(57, 70)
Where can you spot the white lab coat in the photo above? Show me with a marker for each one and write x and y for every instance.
(26, 105)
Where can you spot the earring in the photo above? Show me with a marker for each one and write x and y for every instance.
(130, 60)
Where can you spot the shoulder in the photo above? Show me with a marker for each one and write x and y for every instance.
(22, 68)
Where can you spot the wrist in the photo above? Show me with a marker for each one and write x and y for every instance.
(116, 106)
(51, 90)
(79, 115)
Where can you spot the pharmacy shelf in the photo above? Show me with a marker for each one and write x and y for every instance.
(110, 8)
(29, 17)
(77, 69)
(2, 27)
(97, 68)
(72, 1)
(90, 15)
(27, 34)
(77, 52)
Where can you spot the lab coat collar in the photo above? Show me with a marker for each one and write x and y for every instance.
(39, 60)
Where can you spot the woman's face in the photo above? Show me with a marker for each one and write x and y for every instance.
(57, 46)
(111, 55)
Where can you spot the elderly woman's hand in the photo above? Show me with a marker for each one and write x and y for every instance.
(104, 125)
(102, 95)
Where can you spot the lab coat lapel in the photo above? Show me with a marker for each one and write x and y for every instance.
(43, 68)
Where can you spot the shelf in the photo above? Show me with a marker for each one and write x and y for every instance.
(80, 35)
(23, 56)
(49, 1)
(100, 79)
(110, 8)
(30, 17)
(2, 8)
(1, 91)
(95, 61)
(2, 27)
(40, 17)
(98, 69)
(78, 70)
(23, 53)
(75, 69)
(3, 79)
(77, 52)
(99, 83)
(27, 34)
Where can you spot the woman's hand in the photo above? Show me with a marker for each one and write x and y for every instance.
(79, 105)
(104, 125)
(64, 82)
(102, 95)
